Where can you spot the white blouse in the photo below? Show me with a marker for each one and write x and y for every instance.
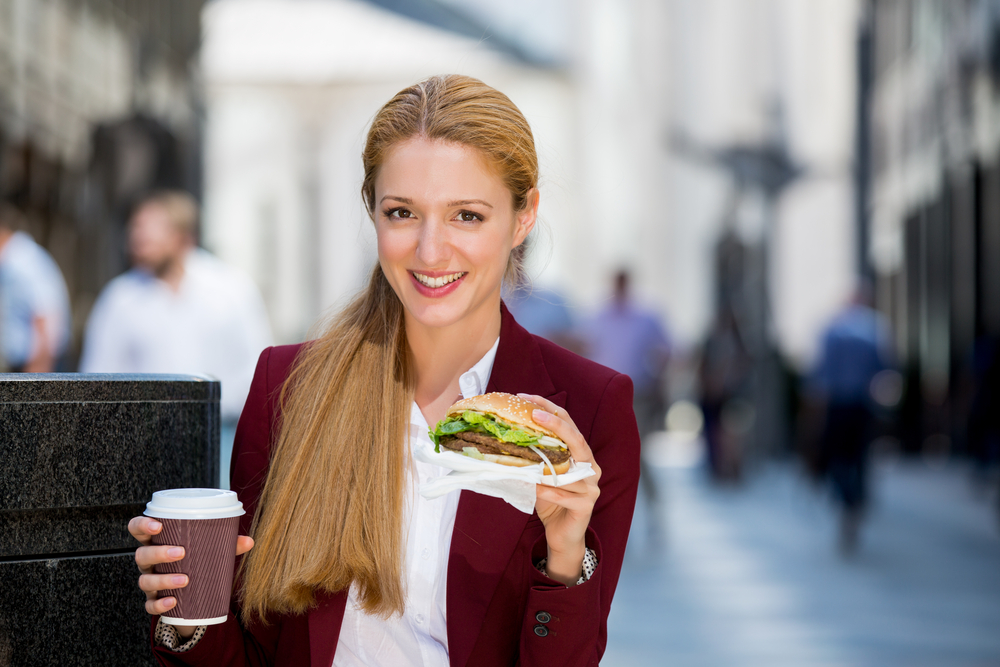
(418, 638)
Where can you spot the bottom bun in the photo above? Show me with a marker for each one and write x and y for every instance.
(505, 460)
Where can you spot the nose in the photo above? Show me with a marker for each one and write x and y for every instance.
(433, 244)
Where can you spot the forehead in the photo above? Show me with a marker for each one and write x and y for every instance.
(434, 169)
(151, 211)
(154, 217)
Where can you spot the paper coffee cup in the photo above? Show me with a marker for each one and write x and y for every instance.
(206, 523)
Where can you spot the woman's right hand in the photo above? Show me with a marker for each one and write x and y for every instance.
(142, 529)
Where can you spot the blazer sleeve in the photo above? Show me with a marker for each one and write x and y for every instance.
(577, 630)
(230, 643)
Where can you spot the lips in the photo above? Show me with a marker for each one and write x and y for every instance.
(438, 281)
(437, 286)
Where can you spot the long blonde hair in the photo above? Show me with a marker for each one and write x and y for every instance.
(331, 511)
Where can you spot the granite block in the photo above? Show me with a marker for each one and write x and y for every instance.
(80, 451)
(79, 456)
(86, 454)
(106, 387)
(47, 533)
(73, 611)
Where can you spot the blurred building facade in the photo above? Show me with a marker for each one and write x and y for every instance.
(930, 87)
(98, 103)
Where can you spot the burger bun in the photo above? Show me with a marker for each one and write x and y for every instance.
(509, 407)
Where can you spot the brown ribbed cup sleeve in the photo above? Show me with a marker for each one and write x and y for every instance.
(209, 560)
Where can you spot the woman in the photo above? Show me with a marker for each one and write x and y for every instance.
(350, 566)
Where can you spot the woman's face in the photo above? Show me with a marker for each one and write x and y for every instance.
(446, 225)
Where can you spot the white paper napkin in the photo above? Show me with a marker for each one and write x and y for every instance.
(514, 485)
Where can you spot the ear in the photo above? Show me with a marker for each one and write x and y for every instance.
(526, 217)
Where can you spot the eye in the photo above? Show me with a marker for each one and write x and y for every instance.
(398, 213)
(469, 216)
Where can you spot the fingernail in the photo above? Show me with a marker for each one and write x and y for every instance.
(179, 580)
(169, 603)
(540, 415)
(175, 552)
(155, 525)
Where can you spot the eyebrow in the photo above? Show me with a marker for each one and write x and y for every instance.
(460, 202)
(403, 200)
(465, 202)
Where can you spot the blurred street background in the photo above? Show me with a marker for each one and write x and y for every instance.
(780, 217)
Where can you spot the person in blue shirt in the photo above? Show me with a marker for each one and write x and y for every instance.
(34, 302)
(855, 347)
(633, 340)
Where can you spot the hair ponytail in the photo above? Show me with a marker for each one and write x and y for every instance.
(331, 509)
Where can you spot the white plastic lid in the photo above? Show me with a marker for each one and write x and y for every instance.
(194, 504)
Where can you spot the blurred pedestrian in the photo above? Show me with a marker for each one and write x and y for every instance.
(633, 341)
(544, 312)
(178, 310)
(855, 347)
(34, 302)
(723, 377)
(983, 427)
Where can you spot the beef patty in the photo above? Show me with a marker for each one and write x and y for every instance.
(487, 444)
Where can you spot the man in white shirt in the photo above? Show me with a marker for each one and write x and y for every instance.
(34, 302)
(178, 310)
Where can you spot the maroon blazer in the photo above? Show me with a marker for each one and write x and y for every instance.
(495, 595)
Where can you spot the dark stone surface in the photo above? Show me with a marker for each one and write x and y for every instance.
(79, 456)
(49, 532)
(73, 611)
(105, 387)
(90, 443)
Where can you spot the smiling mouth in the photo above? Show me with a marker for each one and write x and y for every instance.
(440, 281)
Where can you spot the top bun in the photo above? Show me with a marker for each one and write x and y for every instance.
(508, 407)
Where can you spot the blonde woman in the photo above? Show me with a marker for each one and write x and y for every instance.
(349, 565)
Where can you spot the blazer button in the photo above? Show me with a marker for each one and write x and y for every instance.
(543, 617)
(541, 631)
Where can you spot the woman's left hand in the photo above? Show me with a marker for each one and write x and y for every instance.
(565, 510)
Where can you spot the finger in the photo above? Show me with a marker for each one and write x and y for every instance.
(581, 486)
(554, 417)
(157, 607)
(147, 557)
(142, 527)
(567, 432)
(162, 582)
(568, 499)
(243, 544)
(549, 407)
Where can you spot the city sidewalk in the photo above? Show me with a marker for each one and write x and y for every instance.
(751, 576)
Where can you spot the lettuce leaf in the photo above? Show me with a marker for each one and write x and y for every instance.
(500, 430)
(480, 423)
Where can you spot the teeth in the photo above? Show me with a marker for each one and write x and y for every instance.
(440, 281)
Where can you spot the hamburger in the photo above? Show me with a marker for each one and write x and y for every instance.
(498, 427)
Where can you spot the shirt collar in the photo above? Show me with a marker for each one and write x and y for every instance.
(473, 382)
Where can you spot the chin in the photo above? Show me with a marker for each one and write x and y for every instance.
(437, 315)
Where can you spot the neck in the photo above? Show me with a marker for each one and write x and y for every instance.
(172, 271)
(5, 235)
(442, 354)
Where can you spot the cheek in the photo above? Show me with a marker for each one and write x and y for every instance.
(390, 246)
(394, 251)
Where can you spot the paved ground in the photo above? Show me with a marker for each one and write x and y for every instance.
(751, 576)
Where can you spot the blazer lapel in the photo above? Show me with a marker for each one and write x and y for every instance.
(487, 529)
(325, 620)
